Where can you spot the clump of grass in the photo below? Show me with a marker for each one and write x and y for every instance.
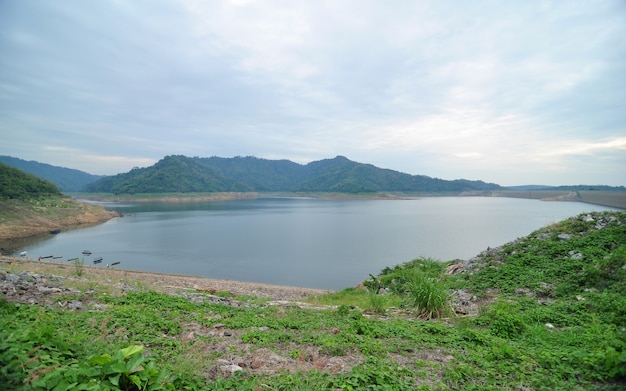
(428, 295)
(78, 266)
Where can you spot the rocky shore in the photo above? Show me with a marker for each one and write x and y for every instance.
(37, 282)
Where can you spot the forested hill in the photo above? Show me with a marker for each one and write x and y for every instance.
(67, 179)
(16, 184)
(246, 174)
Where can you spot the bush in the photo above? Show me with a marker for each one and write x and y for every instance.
(127, 369)
(428, 295)
(503, 320)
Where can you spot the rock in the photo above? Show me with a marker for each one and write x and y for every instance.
(12, 277)
(550, 326)
(462, 302)
(231, 368)
(454, 268)
(588, 218)
(575, 255)
(544, 289)
(564, 236)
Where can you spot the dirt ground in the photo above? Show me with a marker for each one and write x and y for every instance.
(21, 219)
(168, 283)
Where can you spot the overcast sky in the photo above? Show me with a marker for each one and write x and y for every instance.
(511, 92)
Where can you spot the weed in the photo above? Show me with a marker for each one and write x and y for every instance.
(78, 266)
(428, 295)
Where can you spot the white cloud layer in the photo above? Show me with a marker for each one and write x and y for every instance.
(506, 92)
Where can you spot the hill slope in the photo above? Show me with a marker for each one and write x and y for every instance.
(16, 184)
(551, 315)
(30, 206)
(243, 174)
(66, 179)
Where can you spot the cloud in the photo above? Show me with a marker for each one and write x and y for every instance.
(433, 87)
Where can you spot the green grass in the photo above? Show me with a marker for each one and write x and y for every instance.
(548, 321)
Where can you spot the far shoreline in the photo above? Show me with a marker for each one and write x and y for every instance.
(613, 199)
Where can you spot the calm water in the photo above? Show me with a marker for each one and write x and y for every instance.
(315, 243)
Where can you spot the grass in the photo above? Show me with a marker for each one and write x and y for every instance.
(548, 320)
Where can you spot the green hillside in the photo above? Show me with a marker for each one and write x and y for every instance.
(66, 179)
(16, 184)
(246, 174)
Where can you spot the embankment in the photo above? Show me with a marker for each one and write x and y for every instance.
(613, 199)
(21, 219)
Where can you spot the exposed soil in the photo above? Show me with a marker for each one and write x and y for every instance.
(120, 279)
(24, 219)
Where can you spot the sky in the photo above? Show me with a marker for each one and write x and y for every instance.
(509, 92)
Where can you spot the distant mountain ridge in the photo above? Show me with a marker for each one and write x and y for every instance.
(66, 179)
(177, 173)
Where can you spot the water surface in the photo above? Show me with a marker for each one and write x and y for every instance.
(316, 243)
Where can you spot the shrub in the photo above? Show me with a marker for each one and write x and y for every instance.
(127, 369)
(428, 295)
(503, 320)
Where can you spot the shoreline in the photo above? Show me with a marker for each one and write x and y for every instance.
(166, 282)
(612, 199)
(24, 219)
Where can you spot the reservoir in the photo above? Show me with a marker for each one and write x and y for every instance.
(317, 243)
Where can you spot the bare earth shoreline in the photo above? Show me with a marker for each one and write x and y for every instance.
(161, 282)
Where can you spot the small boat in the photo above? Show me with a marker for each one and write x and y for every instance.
(115, 263)
(55, 231)
(23, 254)
(57, 257)
(86, 252)
(96, 261)
(72, 259)
(46, 257)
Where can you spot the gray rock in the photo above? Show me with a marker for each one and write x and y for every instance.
(575, 255)
(564, 236)
(12, 277)
(231, 368)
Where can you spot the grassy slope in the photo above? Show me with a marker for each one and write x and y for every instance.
(552, 314)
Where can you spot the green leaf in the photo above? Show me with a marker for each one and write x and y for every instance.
(132, 350)
(136, 380)
(103, 359)
(115, 380)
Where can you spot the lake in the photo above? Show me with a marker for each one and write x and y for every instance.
(317, 243)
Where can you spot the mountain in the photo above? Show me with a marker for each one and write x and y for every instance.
(244, 174)
(172, 174)
(16, 184)
(66, 179)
